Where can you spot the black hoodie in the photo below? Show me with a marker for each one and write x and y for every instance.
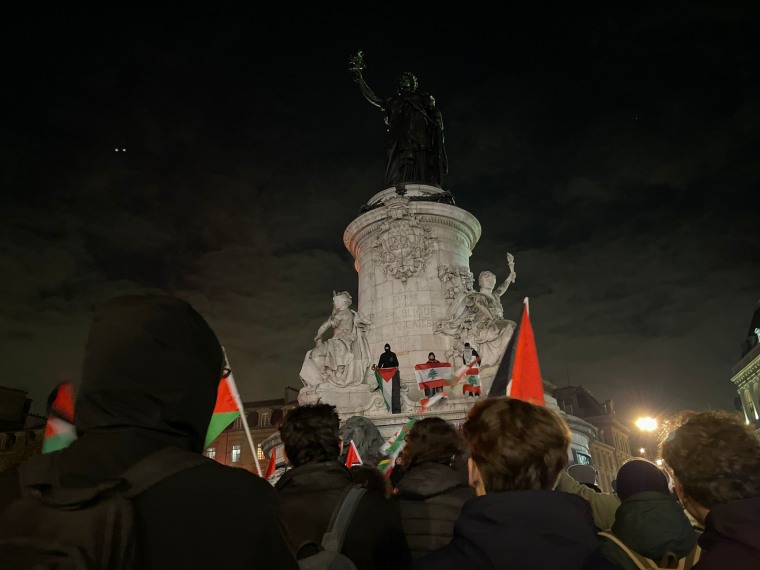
(149, 381)
(731, 538)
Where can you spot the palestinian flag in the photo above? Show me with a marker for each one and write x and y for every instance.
(60, 430)
(353, 457)
(226, 410)
(392, 448)
(472, 379)
(432, 374)
(526, 383)
(389, 382)
(276, 458)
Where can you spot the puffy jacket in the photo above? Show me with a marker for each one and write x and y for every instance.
(430, 497)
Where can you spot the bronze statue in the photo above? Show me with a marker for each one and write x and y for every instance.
(416, 152)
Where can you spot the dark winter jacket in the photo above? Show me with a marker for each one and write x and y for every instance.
(731, 538)
(150, 376)
(308, 496)
(529, 530)
(651, 524)
(430, 497)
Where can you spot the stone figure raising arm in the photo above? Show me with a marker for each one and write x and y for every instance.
(416, 151)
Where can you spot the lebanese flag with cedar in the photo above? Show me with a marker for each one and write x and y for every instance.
(472, 375)
(432, 374)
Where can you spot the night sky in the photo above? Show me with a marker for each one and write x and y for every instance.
(613, 149)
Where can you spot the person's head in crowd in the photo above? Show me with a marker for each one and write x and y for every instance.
(152, 363)
(638, 476)
(276, 419)
(585, 475)
(434, 440)
(371, 478)
(387, 347)
(431, 356)
(714, 458)
(514, 446)
(311, 434)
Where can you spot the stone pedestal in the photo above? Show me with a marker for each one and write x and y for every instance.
(410, 251)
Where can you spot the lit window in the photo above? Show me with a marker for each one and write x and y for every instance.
(264, 421)
(235, 453)
(259, 452)
(211, 453)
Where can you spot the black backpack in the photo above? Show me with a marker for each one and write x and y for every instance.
(329, 555)
(87, 528)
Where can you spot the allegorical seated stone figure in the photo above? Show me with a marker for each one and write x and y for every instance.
(343, 359)
(477, 317)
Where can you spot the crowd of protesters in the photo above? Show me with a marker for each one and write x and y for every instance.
(494, 493)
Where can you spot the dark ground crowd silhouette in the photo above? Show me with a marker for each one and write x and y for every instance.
(134, 490)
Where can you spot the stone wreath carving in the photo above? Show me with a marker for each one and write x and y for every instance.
(403, 245)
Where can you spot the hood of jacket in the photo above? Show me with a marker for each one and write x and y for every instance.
(653, 524)
(735, 521)
(527, 529)
(151, 364)
(430, 479)
(314, 478)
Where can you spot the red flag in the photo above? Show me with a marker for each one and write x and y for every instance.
(353, 458)
(272, 463)
(59, 430)
(526, 381)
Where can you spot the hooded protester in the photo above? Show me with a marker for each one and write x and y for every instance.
(649, 522)
(149, 382)
(388, 358)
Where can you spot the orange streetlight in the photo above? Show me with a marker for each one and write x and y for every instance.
(646, 424)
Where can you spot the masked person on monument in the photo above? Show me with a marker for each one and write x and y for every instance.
(416, 151)
(150, 377)
(310, 491)
(388, 358)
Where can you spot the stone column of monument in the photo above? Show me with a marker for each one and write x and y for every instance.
(412, 258)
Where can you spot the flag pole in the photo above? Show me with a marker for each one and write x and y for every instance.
(238, 401)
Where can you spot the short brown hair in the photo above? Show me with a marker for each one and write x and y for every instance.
(311, 434)
(714, 456)
(434, 440)
(516, 445)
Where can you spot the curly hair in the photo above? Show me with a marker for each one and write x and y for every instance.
(311, 434)
(714, 456)
(516, 445)
(434, 440)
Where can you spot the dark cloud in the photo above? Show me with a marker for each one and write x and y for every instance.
(612, 149)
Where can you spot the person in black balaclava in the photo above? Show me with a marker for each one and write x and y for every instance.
(150, 377)
(388, 358)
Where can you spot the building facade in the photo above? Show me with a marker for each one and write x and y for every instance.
(746, 373)
(264, 418)
(611, 446)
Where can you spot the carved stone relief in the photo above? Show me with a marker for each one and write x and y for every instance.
(403, 244)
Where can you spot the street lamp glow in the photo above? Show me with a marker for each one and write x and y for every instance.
(659, 462)
(646, 424)
(642, 451)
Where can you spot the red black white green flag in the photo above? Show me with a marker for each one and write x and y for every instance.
(59, 429)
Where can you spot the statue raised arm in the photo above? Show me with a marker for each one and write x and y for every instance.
(416, 151)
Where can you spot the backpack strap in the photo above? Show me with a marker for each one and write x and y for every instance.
(341, 517)
(637, 558)
(690, 559)
(158, 466)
